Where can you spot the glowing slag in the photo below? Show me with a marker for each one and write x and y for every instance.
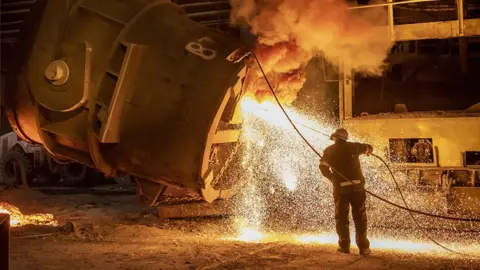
(284, 192)
(17, 218)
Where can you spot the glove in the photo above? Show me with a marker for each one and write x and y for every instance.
(369, 150)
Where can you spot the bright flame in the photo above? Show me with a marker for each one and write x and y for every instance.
(250, 235)
(18, 219)
(274, 153)
(324, 239)
(379, 243)
(270, 112)
(290, 180)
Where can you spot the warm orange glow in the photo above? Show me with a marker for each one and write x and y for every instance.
(18, 219)
(274, 152)
(291, 32)
(269, 111)
(250, 235)
(378, 243)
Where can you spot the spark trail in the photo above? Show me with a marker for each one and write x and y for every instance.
(286, 192)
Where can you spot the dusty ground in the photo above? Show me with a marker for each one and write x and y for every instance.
(112, 232)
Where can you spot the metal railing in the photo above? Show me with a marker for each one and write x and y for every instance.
(391, 22)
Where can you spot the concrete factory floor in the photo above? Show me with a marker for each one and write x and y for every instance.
(112, 232)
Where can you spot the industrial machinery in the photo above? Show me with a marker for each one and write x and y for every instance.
(30, 165)
(19, 159)
(127, 87)
(145, 87)
(423, 113)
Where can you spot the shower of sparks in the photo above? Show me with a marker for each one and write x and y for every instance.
(250, 235)
(285, 192)
(18, 219)
(290, 180)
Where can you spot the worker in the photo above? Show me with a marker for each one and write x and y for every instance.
(341, 165)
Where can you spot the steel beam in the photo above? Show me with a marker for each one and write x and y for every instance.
(391, 24)
(461, 26)
(209, 13)
(341, 99)
(226, 136)
(433, 30)
(347, 81)
(390, 3)
(190, 5)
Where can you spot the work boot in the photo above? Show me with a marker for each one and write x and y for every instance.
(365, 252)
(343, 250)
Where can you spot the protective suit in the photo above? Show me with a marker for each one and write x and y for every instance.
(341, 165)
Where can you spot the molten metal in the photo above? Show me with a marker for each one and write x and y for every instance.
(18, 219)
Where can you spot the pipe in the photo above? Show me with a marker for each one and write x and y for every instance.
(18, 4)
(204, 4)
(6, 32)
(393, 3)
(10, 23)
(214, 22)
(18, 11)
(9, 40)
(391, 26)
(461, 26)
(209, 13)
(341, 94)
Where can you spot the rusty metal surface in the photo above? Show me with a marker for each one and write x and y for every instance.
(148, 191)
(156, 119)
(195, 209)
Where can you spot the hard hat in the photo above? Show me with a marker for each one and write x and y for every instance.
(340, 133)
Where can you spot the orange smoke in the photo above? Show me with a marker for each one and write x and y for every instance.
(18, 219)
(284, 63)
(291, 32)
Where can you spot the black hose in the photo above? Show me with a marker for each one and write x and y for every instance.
(410, 211)
(383, 161)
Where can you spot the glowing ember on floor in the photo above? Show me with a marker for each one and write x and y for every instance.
(376, 242)
(379, 243)
(18, 219)
(250, 235)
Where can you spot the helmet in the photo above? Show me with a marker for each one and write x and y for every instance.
(340, 133)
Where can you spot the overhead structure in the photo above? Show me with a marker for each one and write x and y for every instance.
(438, 29)
(437, 147)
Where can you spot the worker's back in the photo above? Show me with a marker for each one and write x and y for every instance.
(343, 159)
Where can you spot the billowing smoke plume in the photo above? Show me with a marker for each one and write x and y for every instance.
(291, 32)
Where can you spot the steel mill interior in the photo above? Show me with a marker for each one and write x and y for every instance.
(240, 134)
